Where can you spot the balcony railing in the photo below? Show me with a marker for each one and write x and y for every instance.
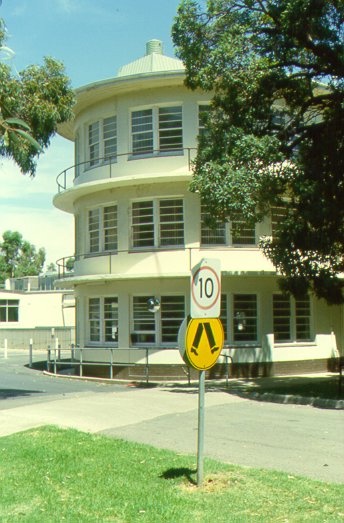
(65, 179)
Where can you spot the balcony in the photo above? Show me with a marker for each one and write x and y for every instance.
(167, 263)
(126, 165)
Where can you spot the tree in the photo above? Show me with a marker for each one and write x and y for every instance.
(32, 104)
(18, 257)
(51, 267)
(70, 264)
(275, 132)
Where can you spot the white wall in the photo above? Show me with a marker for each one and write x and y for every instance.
(39, 309)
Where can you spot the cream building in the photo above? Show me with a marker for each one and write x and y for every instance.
(32, 310)
(139, 232)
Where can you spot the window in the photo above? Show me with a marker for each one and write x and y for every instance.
(277, 215)
(291, 318)
(102, 141)
(302, 318)
(94, 143)
(157, 223)
(103, 319)
(142, 217)
(157, 130)
(172, 315)
(9, 311)
(157, 328)
(244, 317)
(236, 232)
(171, 231)
(102, 229)
(223, 315)
(170, 129)
(142, 132)
(281, 317)
(242, 233)
(203, 114)
(212, 236)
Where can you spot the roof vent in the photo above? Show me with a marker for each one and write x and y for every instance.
(153, 46)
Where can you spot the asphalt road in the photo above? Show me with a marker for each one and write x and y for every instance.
(297, 439)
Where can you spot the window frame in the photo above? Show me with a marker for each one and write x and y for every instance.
(7, 307)
(204, 109)
(292, 319)
(230, 320)
(101, 142)
(160, 322)
(246, 317)
(225, 233)
(100, 323)
(155, 227)
(155, 130)
(101, 230)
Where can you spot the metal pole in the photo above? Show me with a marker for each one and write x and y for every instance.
(200, 442)
(147, 366)
(111, 364)
(80, 367)
(30, 353)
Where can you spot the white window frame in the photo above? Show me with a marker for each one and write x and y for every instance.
(225, 234)
(291, 318)
(277, 215)
(244, 318)
(155, 225)
(203, 109)
(101, 229)
(155, 335)
(9, 306)
(104, 323)
(230, 319)
(155, 130)
(102, 142)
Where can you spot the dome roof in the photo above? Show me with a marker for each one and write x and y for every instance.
(154, 61)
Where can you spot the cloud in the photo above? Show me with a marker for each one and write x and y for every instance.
(68, 6)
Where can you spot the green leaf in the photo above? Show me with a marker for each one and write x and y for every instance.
(29, 138)
(18, 121)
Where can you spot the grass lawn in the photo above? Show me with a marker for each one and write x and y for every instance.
(53, 475)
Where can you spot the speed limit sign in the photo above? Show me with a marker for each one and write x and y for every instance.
(206, 289)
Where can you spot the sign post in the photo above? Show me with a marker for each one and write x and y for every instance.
(200, 434)
(201, 338)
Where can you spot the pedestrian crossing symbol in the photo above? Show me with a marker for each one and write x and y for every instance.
(203, 342)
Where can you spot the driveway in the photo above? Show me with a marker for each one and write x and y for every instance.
(297, 439)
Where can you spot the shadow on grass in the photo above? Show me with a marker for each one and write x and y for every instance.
(179, 473)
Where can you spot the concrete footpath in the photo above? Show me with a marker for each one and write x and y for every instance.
(298, 439)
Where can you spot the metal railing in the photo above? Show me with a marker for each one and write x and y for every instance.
(64, 264)
(65, 179)
(75, 357)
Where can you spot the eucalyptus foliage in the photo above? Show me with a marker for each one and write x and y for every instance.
(275, 133)
(18, 257)
(32, 103)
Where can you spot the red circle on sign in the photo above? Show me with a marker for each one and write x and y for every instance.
(200, 305)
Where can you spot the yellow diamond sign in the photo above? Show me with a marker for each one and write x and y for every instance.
(203, 342)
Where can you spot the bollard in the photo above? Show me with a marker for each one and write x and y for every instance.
(30, 353)
(57, 349)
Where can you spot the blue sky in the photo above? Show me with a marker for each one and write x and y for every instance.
(93, 39)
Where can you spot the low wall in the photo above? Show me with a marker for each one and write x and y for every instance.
(42, 337)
